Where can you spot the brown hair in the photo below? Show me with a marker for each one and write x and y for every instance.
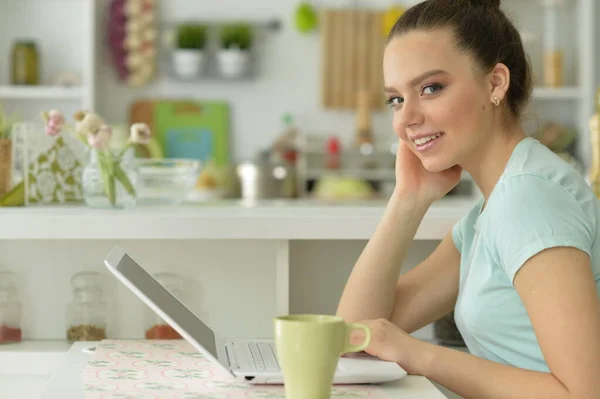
(482, 29)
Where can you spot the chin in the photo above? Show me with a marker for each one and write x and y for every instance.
(437, 164)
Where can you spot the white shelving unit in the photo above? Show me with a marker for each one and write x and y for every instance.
(41, 92)
(22, 19)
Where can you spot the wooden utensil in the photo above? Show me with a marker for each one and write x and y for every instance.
(327, 18)
(352, 53)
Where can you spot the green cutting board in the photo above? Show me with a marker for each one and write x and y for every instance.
(193, 129)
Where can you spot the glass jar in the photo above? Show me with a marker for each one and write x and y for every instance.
(155, 327)
(10, 309)
(109, 179)
(554, 74)
(86, 314)
(25, 63)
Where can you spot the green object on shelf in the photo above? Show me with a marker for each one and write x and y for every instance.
(236, 36)
(15, 197)
(191, 37)
(25, 63)
(192, 129)
(306, 18)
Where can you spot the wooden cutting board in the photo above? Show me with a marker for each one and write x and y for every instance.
(352, 55)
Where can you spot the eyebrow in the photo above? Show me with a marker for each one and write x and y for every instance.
(419, 79)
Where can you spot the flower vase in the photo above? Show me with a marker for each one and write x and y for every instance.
(109, 179)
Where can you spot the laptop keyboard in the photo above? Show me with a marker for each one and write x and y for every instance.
(263, 354)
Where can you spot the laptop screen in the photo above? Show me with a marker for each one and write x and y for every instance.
(168, 303)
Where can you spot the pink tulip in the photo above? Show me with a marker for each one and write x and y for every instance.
(54, 123)
(51, 131)
(101, 138)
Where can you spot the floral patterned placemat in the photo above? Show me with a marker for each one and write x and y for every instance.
(173, 369)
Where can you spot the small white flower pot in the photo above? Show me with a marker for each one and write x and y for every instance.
(188, 64)
(233, 63)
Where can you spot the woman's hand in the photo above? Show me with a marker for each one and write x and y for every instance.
(414, 181)
(389, 342)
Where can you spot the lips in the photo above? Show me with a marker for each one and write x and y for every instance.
(424, 138)
(426, 141)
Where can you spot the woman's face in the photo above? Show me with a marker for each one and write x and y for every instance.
(440, 99)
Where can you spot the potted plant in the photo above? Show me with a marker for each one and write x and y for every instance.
(6, 124)
(189, 55)
(234, 53)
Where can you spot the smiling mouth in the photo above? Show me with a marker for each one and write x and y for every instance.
(424, 140)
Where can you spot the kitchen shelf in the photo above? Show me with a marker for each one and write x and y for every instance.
(39, 92)
(551, 93)
(228, 219)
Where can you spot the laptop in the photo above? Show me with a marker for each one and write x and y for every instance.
(250, 360)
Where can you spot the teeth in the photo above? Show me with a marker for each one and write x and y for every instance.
(424, 140)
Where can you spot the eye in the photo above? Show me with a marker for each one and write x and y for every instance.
(391, 102)
(432, 89)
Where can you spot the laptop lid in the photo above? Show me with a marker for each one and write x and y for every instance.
(165, 304)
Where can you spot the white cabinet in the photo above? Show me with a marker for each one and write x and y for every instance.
(65, 34)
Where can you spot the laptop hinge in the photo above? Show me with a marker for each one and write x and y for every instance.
(230, 351)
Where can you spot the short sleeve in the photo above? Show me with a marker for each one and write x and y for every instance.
(458, 233)
(529, 214)
(459, 230)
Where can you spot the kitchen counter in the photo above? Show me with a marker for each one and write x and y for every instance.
(67, 383)
(265, 220)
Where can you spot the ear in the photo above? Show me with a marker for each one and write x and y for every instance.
(499, 81)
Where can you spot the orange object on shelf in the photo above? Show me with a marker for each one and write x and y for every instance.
(162, 331)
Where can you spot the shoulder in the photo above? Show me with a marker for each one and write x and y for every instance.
(535, 177)
(536, 209)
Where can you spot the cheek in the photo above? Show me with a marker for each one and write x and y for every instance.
(461, 111)
(397, 126)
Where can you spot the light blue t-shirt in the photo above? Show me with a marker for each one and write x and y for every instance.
(539, 202)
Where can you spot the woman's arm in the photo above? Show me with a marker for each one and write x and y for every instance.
(558, 290)
(418, 297)
(371, 287)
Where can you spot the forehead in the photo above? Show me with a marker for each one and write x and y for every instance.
(415, 52)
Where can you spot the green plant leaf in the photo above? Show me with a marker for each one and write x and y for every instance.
(236, 36)
(120, 174)
(191, 37)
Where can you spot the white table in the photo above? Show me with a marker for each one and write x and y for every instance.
(66, 383)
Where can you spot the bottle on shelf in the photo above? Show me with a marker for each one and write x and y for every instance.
(553, 47)
(363, 138)
(86, 314)
(155, 326)
(10, 309)
(333, 153)
(25, 63)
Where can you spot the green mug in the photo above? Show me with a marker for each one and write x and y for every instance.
(308, 350)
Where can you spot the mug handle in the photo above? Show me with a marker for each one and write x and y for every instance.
(348, 347)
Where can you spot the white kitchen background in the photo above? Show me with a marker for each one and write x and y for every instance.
(238, 290)
(289, 67)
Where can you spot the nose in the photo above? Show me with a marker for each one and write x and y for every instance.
(410, 115)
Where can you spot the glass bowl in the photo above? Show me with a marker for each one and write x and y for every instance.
(166, 181)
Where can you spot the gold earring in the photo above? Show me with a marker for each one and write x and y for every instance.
(496, 101)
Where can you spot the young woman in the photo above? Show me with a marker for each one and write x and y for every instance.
(522, 269)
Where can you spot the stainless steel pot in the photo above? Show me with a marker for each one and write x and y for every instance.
(263, 179)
